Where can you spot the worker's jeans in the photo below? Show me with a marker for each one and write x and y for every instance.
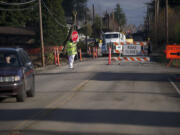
(71, 60)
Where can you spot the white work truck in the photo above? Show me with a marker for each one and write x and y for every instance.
(113, 40)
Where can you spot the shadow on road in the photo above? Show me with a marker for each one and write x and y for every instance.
(109, 76)
(39, 132)
(106, 116)
(117, 76)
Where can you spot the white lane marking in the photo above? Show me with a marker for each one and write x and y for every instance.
(174, 85)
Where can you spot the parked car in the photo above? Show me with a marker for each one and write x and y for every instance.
(17, 77)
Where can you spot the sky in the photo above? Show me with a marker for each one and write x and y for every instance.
(135, 10)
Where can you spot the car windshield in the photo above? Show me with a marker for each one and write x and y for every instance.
(8, 59)
(111, 36)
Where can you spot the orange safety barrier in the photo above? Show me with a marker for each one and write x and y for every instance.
(172, 53)
(94, 53)
(89, 51)
(109, 58)
(58, 60)
(134, 43)
(55, 59)
(56, 56)
(37, 51)
(80, 54)
(132, 59)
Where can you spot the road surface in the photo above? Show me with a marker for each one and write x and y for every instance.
(98, 99)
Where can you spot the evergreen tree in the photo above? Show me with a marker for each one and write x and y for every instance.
(78, 5)
(13, 15)
(97, 27)
(53, 17)
(119, 16)
(173, 21)
(54, 23)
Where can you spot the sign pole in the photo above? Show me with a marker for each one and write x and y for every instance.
(170, 62)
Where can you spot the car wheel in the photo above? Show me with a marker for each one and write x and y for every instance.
(21, 96)
(2, 99)
(31, 92)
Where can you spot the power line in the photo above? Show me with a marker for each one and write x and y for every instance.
(18, 9)
(51, 14)
(21, 9)
(17, 4)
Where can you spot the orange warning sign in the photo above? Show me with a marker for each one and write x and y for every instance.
(173, 51)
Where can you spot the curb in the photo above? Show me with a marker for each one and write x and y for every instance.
(50, 67)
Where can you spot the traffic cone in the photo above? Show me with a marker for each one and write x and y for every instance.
(80, 53)
(58, 60)
(93, 52)
(96, 52)
(55, 59)
(109, 58)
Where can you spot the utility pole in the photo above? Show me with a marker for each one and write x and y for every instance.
(86, 29)
(167, 36)
(41, 35)
(108, 23)
(75, 19)
(155, 21)
(93, 13)
(148, 21)
(113, 21)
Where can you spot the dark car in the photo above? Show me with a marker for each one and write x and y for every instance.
(16, 74)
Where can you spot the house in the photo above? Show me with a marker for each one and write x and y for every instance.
(14, 36)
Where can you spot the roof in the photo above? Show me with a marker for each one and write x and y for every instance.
(16, 31)
(10, 49)
(112, 33)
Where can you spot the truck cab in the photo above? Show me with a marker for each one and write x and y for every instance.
(113, 40)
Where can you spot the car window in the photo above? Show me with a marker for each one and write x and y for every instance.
(111, 36)
(26, 56)
(22, 58)
(8, 59)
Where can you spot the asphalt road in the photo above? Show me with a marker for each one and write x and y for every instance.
(98, 99)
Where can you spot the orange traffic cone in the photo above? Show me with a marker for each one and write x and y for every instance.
(109, 58)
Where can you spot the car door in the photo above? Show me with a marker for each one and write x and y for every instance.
(25, 69)
(29, 70)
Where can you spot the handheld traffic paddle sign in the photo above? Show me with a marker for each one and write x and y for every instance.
(74, 36)
(173, 51)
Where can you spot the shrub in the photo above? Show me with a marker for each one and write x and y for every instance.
(82, 45)
(177, 33)
(50, 58)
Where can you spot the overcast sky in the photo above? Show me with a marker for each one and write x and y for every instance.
(135, 10)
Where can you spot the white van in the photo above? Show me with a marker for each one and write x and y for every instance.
(113, 40)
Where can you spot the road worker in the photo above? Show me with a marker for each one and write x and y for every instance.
(149, 46)
(71, 51)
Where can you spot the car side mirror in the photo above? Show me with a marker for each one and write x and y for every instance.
(29, 64)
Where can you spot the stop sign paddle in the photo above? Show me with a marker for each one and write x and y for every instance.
(74, 36)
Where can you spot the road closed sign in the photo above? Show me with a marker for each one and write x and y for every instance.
(132, 50)
(74, 36)
(173, 51)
